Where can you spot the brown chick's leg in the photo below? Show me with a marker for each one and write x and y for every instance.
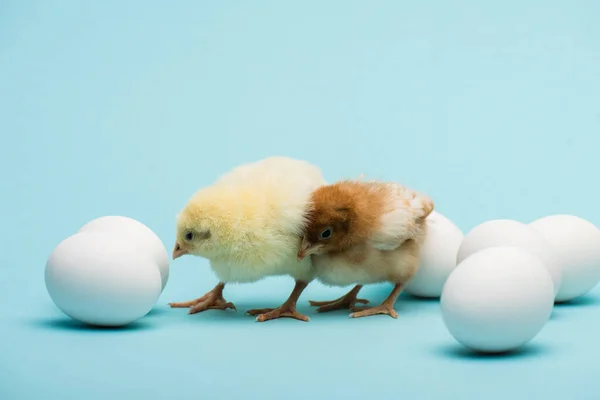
(212, 300)
(287, 309)
(348, 301)
(386, 308)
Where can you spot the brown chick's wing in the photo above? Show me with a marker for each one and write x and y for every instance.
(402, 217)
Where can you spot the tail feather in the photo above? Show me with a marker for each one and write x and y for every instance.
(421, 205)
(405, 219)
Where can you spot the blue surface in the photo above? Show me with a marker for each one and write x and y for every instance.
(129, 107)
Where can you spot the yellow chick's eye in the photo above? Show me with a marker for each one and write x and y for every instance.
(326, 233)
(189, 236)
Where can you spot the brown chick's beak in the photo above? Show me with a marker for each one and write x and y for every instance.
(178, 251)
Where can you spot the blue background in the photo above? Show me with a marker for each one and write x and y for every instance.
(129, 107)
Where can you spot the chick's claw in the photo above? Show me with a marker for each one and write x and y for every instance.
(383, 309)
(217, 304)
(343, 303)
(282, 312)
(286, 310)
(190, 303)
(258, 311)
(348, 301)
(266, 314)
(212, 300)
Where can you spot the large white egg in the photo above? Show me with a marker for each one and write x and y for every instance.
(438, 257)
(497, 299)
(577, 242)
(136, 233)
(99, 280)
(506, 232)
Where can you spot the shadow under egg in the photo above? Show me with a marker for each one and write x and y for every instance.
(459, 352)
(407, 297)
(68, 324)
(582, 301)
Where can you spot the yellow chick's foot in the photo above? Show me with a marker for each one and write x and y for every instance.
(188, 304)
(218, 304)
(212, 300)
(382, 309)
(258, 311)
(284, 311)
(348, 301)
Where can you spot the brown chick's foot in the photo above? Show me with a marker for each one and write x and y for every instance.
(383, 309)
(386, 308)
(342, 303)
(348, 301)
(212, 300)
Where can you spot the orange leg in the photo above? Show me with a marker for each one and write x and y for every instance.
(286, 310)
(386, 308)
(348, 301)
(212, 300)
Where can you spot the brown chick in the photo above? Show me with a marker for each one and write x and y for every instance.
(363, 233)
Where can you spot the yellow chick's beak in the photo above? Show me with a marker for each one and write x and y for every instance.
(178, 251)
(306, 249)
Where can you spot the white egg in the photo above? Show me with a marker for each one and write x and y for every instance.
(438, 257)
(506, 232)
(577, 243)
(136, 233)
(98, 280)
(497, 299)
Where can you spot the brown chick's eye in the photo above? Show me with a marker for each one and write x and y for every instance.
(189, 236)
(326, 234)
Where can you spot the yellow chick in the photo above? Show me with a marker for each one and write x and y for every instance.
(249, 225)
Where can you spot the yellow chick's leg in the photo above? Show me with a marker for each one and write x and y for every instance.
(212, 300)
(287, 309)
(348, 301)
(386, 308)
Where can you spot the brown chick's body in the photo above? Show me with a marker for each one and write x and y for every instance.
(362, 233)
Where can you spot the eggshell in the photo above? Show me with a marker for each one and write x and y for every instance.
(136, 234)
(506, 232)
(577, 244)
(497, 299)
(97, 279)
(438, 257)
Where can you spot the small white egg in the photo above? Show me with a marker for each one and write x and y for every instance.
(497, 299)
(136, 233)
(438, 257)
(99, 280)
(506, 232)
(577, 243)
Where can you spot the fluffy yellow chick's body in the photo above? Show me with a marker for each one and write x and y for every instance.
(362, 233)
(249, 225)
